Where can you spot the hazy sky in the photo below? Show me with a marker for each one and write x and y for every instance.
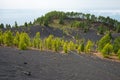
(60, 4)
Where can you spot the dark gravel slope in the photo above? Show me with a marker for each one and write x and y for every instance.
(46, 31)
(16, 64)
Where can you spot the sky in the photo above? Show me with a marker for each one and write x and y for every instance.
(61, 4)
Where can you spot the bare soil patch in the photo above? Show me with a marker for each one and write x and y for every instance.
(45, 65)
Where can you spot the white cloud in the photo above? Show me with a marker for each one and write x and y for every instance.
(61, 4)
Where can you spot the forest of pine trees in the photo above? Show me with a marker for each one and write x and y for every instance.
(22, 41)
(106, 45)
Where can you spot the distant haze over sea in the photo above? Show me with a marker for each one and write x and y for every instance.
(9, 16)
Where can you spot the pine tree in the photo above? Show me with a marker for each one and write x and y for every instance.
(65, 49)
(49, 42)
(116, 45)
(25, 24)
(22, 45)
(36, 40)
(24, 41)
(8, 26)
(41, 45)
(1, 37)
(30, 23)
(80, 48)
(101, 30)
(16, 39)
(108, 48)
(46, 21)
(56, 44)
(118, 28)
(103, 41)
(88, 46)
(118, 53)
(71, 46)
(16, 25)
(8, 38)
(1, 25)
(61, 21)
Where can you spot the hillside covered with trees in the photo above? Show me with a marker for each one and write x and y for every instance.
(65, 32)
